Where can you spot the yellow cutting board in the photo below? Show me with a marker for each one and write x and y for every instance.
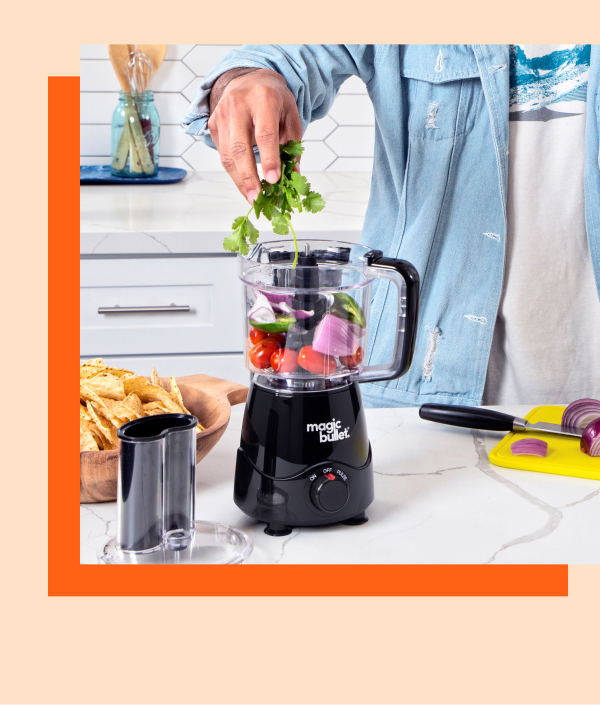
(564, 455)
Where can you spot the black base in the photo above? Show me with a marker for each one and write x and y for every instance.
(275, 529)
(358, 520)
(295, 443)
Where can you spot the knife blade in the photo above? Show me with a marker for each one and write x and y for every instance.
(488, 420)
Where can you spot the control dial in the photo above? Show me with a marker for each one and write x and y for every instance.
(329, 493)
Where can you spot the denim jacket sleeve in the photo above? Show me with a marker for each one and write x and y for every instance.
(313, 73)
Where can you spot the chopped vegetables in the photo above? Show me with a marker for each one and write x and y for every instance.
(346, 307)
(590, 440)
(581, 413)
(333, 336)
(529, 446)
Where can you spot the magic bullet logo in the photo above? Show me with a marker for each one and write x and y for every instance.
(330, 431)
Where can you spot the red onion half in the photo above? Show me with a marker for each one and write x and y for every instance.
(581, 412)
(590, 440)
(333, 336)
(529, 446)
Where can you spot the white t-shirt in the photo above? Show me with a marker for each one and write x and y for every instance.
(546, 346)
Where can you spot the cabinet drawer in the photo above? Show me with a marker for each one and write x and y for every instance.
(207, 286)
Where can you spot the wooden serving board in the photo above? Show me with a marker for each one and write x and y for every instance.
(564, 456)
(209, 398)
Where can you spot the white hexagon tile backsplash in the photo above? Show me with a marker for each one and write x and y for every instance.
(341, 141)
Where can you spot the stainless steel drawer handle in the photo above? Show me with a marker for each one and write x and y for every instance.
(144, 309)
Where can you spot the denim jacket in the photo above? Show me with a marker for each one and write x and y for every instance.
(438, 191)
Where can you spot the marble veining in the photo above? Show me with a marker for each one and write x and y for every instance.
(438, 499)
(193, 216)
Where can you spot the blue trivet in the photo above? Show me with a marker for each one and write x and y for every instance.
(101, 175)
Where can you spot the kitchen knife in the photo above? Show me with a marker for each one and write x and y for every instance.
(488, 420)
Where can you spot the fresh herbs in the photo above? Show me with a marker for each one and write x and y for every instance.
(277, 202)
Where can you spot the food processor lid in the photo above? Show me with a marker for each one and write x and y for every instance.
(341, 265)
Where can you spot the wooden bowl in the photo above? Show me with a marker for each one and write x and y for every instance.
(210, 399)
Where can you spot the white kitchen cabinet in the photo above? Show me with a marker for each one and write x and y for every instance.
(226, 366)
(209, 286)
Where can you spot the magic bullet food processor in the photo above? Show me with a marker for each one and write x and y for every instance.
(304, 457)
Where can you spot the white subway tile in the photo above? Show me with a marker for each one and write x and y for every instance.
(353, 110)
(171, 107)
(352, 141)
(94, 161)
(353, 86)
(97, 108)
(316, 157)
(174, 141)
(352, 164)
(93, 51)
(190, 91)
(174, 162)
(204, 57)
(94, 140)
(203, 158)
(172, 76)
(178, 51)
(97, 76)
(319, 129)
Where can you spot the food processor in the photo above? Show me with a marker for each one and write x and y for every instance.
(304, 457)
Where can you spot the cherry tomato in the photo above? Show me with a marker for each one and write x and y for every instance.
(257, 335)
(285, 361)
(316, 362)
(260, 354)
(353, 360)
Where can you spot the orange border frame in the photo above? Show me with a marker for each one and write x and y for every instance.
(67, 577)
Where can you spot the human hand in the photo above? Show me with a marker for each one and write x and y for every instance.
(254, 108)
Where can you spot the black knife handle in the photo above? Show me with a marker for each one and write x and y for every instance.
(467, 417)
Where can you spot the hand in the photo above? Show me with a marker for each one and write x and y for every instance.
(256, 108)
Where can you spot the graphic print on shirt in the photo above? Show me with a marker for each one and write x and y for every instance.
(550, 85)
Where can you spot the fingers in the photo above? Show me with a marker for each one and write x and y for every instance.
(266, 132)
(221, 139)
(242, 154)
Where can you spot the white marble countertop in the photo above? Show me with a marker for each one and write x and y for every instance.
(192, 216)
(437, 500)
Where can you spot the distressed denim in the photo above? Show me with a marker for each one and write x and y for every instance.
(438, 194)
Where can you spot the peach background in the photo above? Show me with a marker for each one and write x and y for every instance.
(236, 650)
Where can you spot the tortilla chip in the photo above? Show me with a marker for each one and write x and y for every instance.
(87, 371)
(107, 386)
(104, 426)
(154, 407)
(83, 413)
(86, 394)
(133, 406)
(176, 396)
(155, 379)
(148, 392)
(86, 440)
(95, 362)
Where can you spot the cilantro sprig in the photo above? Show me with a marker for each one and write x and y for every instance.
(277, 202)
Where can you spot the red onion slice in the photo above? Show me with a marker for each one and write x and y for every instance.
(262, 310)
(590, 439)
(529, 446)
(333, 336)
(581, 413)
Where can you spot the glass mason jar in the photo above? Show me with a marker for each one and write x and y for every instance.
(135, 133)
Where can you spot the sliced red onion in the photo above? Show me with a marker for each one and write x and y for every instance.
(303, 314)
(356, 329)
(275, 298)
(590, 439)
(262, 308)
(333, 336)
(529, 446)
(581, 413)
(263, 315)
